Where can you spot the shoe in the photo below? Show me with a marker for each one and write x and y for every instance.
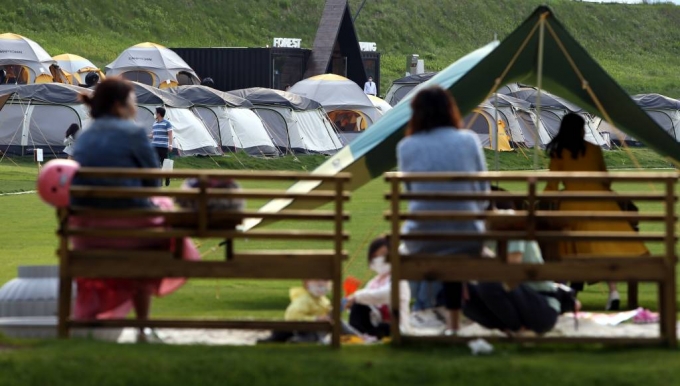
(167, 182)
(148, 335)
(613, 304)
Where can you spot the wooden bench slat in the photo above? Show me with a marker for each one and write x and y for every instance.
(539, 235)
(120, 192)
(211, 324)
(94, 254)
(260, 268)
(523, 215)
(443, 269)
(193, 173)
(533, 175)
(150, 233)
(559, 196)
(188, 215)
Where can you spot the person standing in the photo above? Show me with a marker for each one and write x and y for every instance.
(161, 138)
(369, 87)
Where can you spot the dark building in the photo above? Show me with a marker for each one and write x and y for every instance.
(336, 50)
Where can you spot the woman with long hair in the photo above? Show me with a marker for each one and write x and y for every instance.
(435, 142)
(114, 140)
(570, 152)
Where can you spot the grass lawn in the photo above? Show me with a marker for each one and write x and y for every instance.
(27, 238)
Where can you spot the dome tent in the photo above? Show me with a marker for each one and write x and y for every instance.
(154, 65)
(339, 96)
(25, 61)
(37, 116)
(401, 87)
(190, 135)
(518, 118)
(76, 68)
(230, 120)
(296, 123)
(664, 110)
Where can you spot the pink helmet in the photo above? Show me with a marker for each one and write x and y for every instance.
(54, 181)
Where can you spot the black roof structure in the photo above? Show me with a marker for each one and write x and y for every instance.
(336, 38)
(416, 79)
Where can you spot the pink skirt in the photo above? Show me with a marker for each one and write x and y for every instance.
(112, 298)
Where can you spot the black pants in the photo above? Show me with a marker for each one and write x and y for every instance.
(162, 154)
(360, 319)
(493, 307)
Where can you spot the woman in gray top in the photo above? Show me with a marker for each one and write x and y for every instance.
(434, 142)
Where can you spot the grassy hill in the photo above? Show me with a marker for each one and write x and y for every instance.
(638, 44)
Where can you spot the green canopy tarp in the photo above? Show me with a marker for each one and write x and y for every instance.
(567, 71)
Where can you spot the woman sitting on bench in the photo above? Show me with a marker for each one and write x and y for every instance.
(114, 140)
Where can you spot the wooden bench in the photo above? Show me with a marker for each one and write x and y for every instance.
(656, 188)
(201, 223)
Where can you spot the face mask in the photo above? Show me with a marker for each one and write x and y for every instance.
(317, 289)
(379, 266)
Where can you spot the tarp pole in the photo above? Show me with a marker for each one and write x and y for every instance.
(539, 84)
(495, 134)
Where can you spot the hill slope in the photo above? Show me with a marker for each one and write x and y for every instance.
(638, 44)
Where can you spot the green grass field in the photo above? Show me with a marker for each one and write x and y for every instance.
(27, 236)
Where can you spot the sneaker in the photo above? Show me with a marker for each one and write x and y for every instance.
(148, 335)
(167, 182)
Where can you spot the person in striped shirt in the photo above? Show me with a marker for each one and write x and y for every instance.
(161, 138)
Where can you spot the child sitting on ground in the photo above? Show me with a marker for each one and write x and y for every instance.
(307, 303)
(370, 310)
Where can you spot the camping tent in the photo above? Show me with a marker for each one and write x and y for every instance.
(153, 64)
(24, 61)
(380, 104)
(566, 68)
(190, 135)
(37, 116)
(482, 121)
(296, 123)
(554, 108)
(519, 119)
(230, 120)
(401, 87)
(343, 100)
(664, 110)
(76, 68)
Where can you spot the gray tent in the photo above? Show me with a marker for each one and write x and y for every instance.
(36, 116)
(404, 86)
(664, 110)
(152, 64)
(519, 119)
(190, 134)
(230, 120)
(296, 123)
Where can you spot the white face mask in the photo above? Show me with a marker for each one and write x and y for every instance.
(380, 266)
(317, 289)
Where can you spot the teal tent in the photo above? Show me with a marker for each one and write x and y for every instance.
(539, 52)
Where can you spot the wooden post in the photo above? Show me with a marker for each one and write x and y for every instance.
(395, 261)
(632, 295)
(65, 280)
(337, 264)
(203, 205)
(667, 295)
(531, 215)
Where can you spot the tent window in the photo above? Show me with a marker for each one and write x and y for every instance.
(184, 78)
(139, 76)
(348, 121)
(478, 123)
(401, 93)
(16, 74)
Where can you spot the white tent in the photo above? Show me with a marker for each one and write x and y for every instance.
(190, 134)
(519, 119)
(25, 61)
(36, 116)
(296, 123)
(230, 120)
(154, 65)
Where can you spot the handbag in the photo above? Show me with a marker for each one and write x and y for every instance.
(168, 164)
